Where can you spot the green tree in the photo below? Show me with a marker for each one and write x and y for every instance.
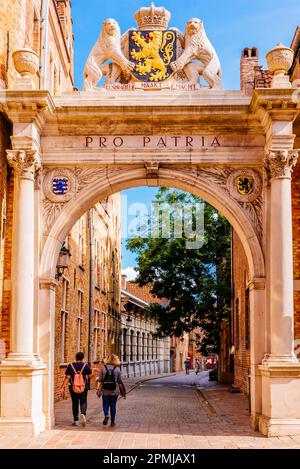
(196, 282)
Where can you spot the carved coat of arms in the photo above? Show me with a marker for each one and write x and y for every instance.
(152, 53)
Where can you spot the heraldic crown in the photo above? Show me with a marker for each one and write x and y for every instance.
(152, 18)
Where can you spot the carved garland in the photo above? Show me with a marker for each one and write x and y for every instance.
(222, 177)
(252, 204)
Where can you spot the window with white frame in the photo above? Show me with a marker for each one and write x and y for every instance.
(96, 335)
(102, 268)
(143, 346)
(138, 346)
(79, 320)
(103, 335)
(63, 319)
(97, 272)
(152, 348)
(148, 346)
(131, 345)
(113, 272)
(124, 345)
(80, 241)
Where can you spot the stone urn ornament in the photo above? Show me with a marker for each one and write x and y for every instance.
(26, 63)
(280, 60)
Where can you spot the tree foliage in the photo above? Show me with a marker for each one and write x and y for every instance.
(196, 282)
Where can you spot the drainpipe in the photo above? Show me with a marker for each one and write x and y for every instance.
(90, 328)
(45, 19)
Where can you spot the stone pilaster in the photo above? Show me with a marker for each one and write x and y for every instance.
(280, 368)
(279, 165)
(25, 163)
(22, 371)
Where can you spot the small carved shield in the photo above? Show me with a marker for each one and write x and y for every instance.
(245, 185)
(152, 52)
(60, 185)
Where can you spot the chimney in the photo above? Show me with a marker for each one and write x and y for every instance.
(249, 60)
(124, 281)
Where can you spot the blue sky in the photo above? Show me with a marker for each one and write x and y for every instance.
(230, 25)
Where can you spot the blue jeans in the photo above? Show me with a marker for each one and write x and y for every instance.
(110, 402)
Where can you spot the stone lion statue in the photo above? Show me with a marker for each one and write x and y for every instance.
(107, 47)
(197, 46)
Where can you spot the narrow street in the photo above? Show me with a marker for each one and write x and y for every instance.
(175, 412)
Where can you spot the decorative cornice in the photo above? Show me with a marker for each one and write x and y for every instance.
(26, 106)
(280, 163)
(25, 163)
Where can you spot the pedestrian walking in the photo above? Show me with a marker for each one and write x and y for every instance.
(110, 385)
(77, 376)
(197, 366)
(187, 365)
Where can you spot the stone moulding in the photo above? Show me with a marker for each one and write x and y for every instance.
(222, 177)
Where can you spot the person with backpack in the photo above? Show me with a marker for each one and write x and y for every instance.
(110, 385)
(187, 365)
(77, 375)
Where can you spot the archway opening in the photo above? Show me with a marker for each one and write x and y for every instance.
(116, 340)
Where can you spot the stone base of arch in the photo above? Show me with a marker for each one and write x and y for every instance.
(280, 399)
(24, 414)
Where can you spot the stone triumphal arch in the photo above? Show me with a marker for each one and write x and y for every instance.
(152, 123)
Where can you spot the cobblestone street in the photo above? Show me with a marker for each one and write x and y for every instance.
(175, 412)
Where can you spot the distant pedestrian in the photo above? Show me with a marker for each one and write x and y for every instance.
(110, 385)
(78, 375)
(187, 365)
(197, 366)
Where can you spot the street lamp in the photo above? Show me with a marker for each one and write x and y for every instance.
(62, 262)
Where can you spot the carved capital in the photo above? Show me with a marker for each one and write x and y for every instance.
(280, 163)
(25, 163)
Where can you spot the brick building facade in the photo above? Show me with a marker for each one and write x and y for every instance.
(88, 293)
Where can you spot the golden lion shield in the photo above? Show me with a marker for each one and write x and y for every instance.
(152, 52)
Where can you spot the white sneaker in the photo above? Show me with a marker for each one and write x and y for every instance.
(75, 423)
(82, 420)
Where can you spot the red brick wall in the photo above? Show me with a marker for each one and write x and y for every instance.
(241, 347)
(6, 193)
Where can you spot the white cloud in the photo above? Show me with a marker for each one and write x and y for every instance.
(130, 272)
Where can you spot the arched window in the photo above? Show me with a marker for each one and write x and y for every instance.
(148, 346)
(138, 345)
(143, 346)
(124, 345)
(131, 346)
